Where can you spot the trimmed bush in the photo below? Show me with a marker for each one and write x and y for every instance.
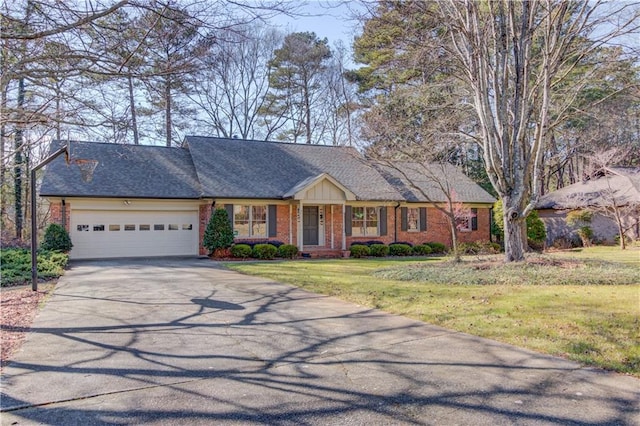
(241, 251)
(264, 251)
(219, 232)
(358, 243)
(422, 250)
(437, 247)
(288, 251)
(56, 238)
(360, 250)
(379, 250)
(400, 249)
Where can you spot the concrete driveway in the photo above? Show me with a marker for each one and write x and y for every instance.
(185, 342)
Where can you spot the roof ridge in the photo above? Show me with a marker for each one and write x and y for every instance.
(266, 142)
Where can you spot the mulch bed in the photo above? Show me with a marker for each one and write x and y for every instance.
(18, 308)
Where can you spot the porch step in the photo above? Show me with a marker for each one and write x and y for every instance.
(322, 253)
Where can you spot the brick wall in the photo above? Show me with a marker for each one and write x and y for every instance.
(55, 214)
(203, 217)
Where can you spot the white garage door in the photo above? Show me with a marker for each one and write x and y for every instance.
(104, 234)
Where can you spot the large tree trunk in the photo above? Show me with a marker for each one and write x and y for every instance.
(515, 231)
(167, 109)
(18, 162)
(132, 105)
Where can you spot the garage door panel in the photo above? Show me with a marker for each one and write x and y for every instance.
(104, 234)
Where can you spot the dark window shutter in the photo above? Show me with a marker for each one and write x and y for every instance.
(383, 221)
(229, 209)
(403, 218)
(474, 220)
(423, 218)
(273, 220)
(347, 221)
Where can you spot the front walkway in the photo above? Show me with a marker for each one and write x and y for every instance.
(184, 342)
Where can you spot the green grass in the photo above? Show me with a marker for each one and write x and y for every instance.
(15, 265)
(593, 320)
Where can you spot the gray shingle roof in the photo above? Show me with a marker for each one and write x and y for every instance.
(621, 184)
(429, 182)
(124, 171)
(233, 168)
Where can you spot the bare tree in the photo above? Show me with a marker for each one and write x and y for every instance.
(512, 55)
(232, 82)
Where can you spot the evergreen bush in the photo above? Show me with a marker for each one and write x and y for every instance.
(56, 238)
(437, 247)
(219, 232)
(264, 251)
(241, 251)
(288, 251)
(360, 250)
(400, 249)
(379, 250)
(422, 250)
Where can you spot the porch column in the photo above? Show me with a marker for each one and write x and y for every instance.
(332, 238)
(344, 224)
(300, 221)
(290, 224)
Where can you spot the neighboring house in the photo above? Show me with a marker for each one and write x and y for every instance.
(157, 201)
(615, 186)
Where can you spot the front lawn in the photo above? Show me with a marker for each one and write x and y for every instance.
(15, 265)
(564, 304)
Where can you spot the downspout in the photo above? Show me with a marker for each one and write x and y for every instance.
(395, 222)
(63, 211)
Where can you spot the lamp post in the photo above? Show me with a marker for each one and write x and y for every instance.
(34, 227)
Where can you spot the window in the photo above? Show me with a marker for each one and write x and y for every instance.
(114, 227)
(188, 227)
(83, 228)
(144, 227)
(129, 227)
(173, 227)
(98, 227)
(250, 221)
(158, 227)
(364, 221)
(413, 219)
(468, 221)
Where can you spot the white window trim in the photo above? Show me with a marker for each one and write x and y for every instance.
(250, 221)
(364, 221)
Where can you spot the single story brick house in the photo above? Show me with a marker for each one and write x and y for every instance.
(156, 201)
(598, 193)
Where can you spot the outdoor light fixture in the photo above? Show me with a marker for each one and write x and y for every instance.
(87, 168)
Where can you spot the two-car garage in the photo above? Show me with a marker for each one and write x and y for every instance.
(133, 228)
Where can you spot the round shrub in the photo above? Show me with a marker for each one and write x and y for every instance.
(288, 251)
(56, 238)
(379, 250)
(422, 250)
(264, 251)
(359, 250)
(241, 251)
(437, 247)
(219, 232)
(400, 249)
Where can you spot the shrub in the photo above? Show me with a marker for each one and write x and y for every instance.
(241, 251)
(400, 249)
(264, 251)
(379, 250)
(358, 243)
(56, 238)
(437, 247)
(479, 247)
(288, 251)
(359, 250)
(15, 265)
(219, 232)
(422, 250)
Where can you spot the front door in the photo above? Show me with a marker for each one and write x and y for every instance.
(310, 225)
